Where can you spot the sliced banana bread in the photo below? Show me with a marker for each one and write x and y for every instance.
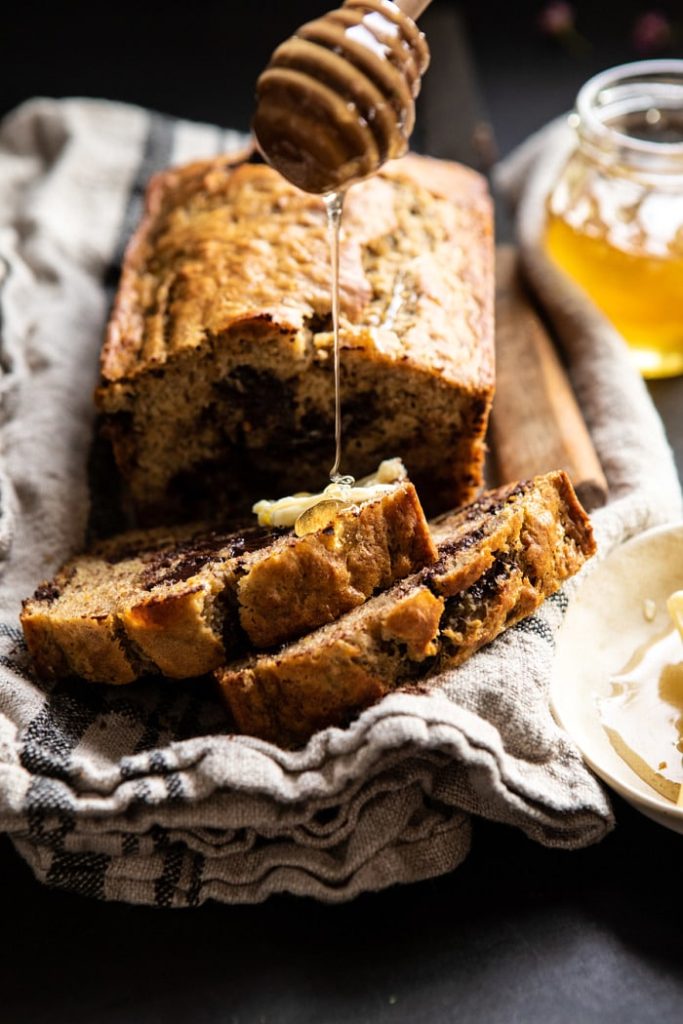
(181, 601)
(498, 560)
(217, 375)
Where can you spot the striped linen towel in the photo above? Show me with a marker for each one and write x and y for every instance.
(139, 793)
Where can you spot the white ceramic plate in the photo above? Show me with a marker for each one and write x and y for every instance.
(603, 627)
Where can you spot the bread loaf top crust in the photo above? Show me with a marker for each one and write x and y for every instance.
(227, 245)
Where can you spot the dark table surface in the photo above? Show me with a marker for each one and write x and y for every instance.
(519, 932)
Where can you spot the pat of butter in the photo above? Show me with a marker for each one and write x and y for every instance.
(284, 512)
(675, 608)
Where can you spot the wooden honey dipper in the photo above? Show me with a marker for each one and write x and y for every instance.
(338, 98)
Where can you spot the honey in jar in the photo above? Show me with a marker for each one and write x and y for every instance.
(615, 216)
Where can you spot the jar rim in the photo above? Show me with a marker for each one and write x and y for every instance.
(587, 105)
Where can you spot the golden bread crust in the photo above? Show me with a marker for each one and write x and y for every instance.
(224, 241)
(173, 632)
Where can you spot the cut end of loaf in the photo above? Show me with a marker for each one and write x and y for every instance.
(217, 372)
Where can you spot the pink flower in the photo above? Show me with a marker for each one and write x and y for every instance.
(556, 18)
(651, 33)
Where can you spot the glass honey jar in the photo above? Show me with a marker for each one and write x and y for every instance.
(615, 216)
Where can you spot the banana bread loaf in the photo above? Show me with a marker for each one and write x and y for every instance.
(217, 375)
(498, 560)
(181, 601)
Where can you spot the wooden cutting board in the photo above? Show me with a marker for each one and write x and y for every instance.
(536, 423)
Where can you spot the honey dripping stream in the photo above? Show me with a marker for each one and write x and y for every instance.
(334, 204)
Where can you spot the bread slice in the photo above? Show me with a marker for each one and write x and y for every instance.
(217, 376)
(498, 560)
(181, 601)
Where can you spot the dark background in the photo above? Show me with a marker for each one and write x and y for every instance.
(519, 933)
(200, 60)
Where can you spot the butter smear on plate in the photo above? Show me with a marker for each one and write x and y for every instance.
(643, 716)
